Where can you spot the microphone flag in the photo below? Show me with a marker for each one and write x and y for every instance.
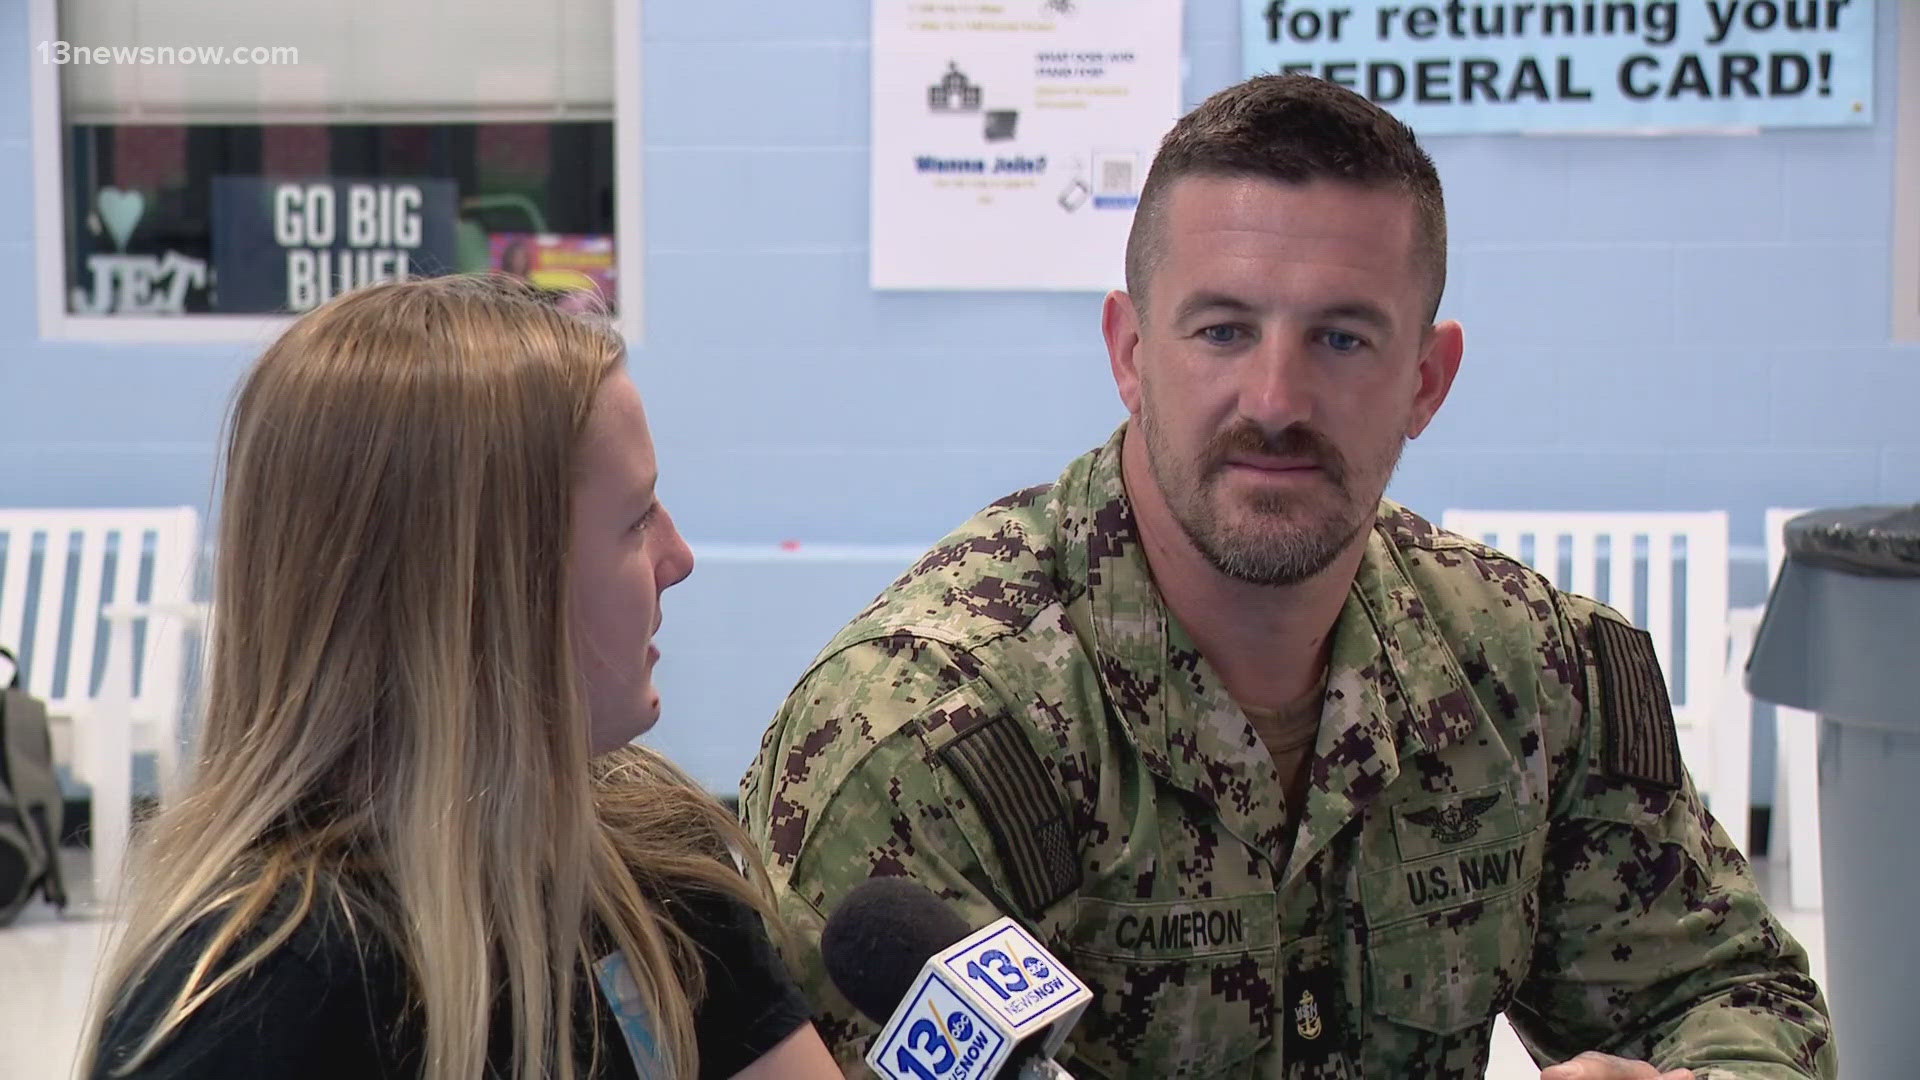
(974, 1002)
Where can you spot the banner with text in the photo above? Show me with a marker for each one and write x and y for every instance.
(1010, 138)
(292, 245)
(1628, 65)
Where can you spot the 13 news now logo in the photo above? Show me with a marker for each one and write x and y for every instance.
(942, 1035)
(973, 1002)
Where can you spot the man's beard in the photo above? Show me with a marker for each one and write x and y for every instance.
(1293, 535)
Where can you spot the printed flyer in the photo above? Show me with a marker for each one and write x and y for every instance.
(1010, 138)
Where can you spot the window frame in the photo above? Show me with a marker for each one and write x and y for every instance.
(50, 236)
(1906, 173)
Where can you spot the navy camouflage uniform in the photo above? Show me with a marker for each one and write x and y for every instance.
(1496, 817)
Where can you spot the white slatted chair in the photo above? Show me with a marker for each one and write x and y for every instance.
(1690, 638)
(1796, 759)
(68, 575)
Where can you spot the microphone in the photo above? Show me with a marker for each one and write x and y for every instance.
(952, 1004)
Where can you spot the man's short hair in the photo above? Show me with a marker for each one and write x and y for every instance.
(1291, 129)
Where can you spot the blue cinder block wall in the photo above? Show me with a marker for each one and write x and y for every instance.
(1670, 323)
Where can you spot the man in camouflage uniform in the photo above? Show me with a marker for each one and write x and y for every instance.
(1298, 784)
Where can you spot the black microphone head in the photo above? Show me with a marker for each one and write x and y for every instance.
(879, 938)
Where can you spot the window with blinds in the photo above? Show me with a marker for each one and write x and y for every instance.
(255, 157)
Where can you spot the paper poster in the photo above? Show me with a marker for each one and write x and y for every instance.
(1010, 138)
(581, 266)
(1593, 65)
(292, 245)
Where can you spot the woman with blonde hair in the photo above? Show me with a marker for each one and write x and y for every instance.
(415, 843)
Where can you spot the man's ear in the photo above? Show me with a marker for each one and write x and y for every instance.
(1120, 323)
(1439, 363)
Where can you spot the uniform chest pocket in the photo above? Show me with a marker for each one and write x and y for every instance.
(1183, 988)
(1449, 936)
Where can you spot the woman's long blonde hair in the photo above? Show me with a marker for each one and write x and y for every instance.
(394, 720)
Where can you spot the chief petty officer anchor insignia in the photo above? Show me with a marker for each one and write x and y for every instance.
(1314, 1049)
(1306, 1016)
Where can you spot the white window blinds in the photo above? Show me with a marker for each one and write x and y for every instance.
(358, 61)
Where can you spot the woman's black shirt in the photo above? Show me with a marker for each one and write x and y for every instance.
(331, 1003)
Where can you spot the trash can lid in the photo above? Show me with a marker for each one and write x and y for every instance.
(1871, 541)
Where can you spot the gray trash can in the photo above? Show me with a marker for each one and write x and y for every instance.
(1841, 638)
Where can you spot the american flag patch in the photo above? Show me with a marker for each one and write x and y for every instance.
(1641, 743)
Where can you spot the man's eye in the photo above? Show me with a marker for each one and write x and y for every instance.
(1221, 335)
(646, 518)
(1342, 342)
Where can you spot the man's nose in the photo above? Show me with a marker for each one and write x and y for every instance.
(1276, 385)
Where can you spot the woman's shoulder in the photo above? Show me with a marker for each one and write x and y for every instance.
(306, 988)
(327, 930)
(751, 1001)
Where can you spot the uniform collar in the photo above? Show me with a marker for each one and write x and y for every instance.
(1394, 686)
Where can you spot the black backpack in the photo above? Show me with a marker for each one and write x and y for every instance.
(29, 802)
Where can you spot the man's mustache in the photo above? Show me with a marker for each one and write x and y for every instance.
(1295, 441)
